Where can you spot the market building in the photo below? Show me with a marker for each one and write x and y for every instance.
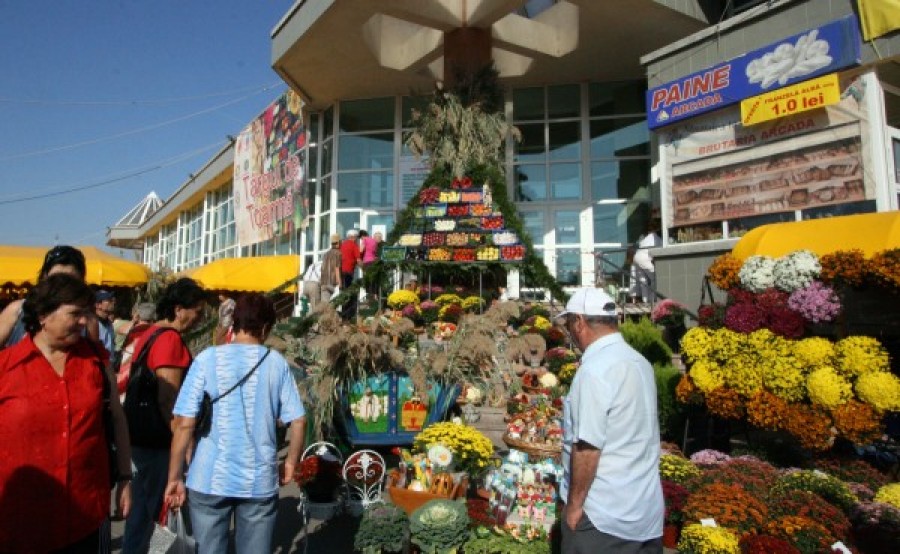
(586, 176)
(789, 111)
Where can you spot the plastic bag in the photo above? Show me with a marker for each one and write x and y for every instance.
(337, 291)
(170, 537)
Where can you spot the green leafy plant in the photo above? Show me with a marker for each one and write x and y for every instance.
(440, 527)
(504, 544)
(645, 337)
(383, 528)
(669, 411)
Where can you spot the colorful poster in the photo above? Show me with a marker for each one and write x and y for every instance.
(269, 172)
(799, 57)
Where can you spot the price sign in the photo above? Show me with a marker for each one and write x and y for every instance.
(805, 96)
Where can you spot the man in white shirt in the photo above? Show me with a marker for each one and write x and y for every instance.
(311, 288)
(611, 487)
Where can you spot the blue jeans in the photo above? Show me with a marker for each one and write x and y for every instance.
(150, 467)
(254, 522)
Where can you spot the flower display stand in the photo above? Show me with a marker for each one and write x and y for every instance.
(321, 505)
(364, 473)
(410, 500)
(385, 409)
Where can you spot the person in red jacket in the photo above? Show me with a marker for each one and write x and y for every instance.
(350, 256)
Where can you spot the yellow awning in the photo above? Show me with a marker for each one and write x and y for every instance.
(870, 233)
(260, 274)
(19, 265)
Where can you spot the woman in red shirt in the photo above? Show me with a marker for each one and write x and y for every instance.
(54, 468)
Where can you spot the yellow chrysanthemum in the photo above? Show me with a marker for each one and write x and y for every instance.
(879, 389)
(743, 374)
(814, 352)
(889, 494)
(858, 355)
(700, 539)
(784, 377)
(827, 388)
(706, 375)
(403, 297)
(726, 344)
(677, 468)
(696, 344)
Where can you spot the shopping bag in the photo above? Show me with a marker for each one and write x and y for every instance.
(336, 293)
(170, 536)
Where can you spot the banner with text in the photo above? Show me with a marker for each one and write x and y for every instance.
(822, 50)
(269, 172)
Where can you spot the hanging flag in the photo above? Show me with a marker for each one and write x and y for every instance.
(879, 17)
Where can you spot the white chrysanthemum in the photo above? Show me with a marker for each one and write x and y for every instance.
(796, 270)
(757, 273)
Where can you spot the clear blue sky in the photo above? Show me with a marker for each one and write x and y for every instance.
(156, 75)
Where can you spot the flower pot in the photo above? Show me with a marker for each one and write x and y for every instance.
(672, 336)
(671, 533)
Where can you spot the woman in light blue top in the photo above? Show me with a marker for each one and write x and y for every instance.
(234, 469)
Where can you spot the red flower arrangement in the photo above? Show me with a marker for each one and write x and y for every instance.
(725, 403)
(786, 322)
(853, 471)
(712, 315)
(461, 183)
(744, 317)
(429, 195)
(767, 411)
(810, 505)
(844, 267)
(320, 478)
(858, 422)
(675, 496)
(811, 426)
(730, 505)
(480, 514)
(766, 544)
(755, 477)
(803, 533)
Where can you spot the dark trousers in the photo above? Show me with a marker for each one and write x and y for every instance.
(88, 545)
(586, 539)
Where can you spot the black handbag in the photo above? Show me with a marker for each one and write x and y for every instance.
(146, 425)
(203, 422)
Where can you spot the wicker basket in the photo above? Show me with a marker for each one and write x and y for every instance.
(532, 449)
(409, 500)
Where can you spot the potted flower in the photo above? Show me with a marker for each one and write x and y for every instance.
(319, 476)
(429, 311)
(675, 496)
(670, 315)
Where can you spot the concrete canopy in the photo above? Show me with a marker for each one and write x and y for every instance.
(329, 50)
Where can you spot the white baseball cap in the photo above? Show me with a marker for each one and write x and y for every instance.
(591, 302)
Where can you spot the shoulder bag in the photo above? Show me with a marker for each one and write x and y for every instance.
(204, 416)
(146, 425)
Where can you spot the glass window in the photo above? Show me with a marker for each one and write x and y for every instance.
(531, 147)
(375, 151)
(563, 101)
(367, 115)
(326, 194)
(611, 224)
(565, 181)
(624, 136)
(324, 234)
(328, 123)
(568, 228)
(327, 156)
(347, 220)
(528, 103)
(381, 219)
(565, 140)
(617, 98)
(568, 267)
(531, 183)
(369, 189)
(628, 179)
(533, 222)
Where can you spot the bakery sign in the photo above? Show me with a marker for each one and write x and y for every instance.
(797, 58)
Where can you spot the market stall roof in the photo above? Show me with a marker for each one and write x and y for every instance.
(260, 274)
(870, 233)
(19, 265)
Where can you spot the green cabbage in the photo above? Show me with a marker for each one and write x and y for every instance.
(440, 526)
(383, 528)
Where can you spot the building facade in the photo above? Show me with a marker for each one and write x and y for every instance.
(726, 169)
(587, 173)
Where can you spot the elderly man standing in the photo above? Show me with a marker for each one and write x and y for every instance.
(330, 277)
(611, 487)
